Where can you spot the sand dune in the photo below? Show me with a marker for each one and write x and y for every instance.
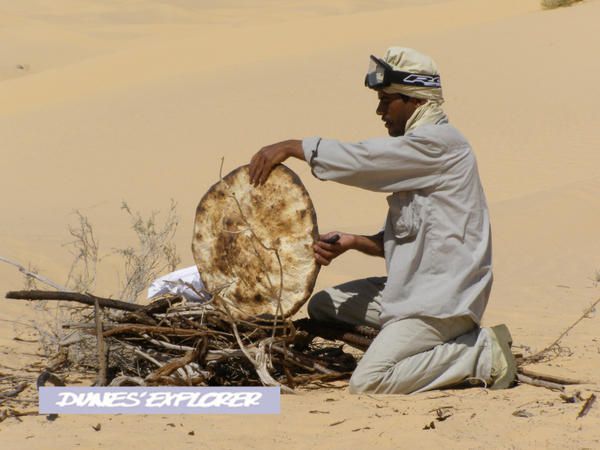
(138, 101)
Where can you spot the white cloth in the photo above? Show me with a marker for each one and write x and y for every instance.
(405, 59)
(437, 239)
(428, 113)
(408, 60)
(185, 282)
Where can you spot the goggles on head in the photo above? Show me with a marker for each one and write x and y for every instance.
(381, 75)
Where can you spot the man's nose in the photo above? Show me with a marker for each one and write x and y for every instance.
(380, 111)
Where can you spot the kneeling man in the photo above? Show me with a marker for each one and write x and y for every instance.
(436, 241)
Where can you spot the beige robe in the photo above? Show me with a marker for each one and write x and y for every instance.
(437, 238)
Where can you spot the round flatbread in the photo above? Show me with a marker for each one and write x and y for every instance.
(253, 245)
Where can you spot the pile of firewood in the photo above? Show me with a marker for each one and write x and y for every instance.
(174, 342)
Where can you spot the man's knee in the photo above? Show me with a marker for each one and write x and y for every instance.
(357, 387)
(362, 382)
(320, 307)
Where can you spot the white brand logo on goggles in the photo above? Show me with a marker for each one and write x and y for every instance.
(423, 80)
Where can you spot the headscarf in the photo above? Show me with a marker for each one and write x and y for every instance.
(409, 60)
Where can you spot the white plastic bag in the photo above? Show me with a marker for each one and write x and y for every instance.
(185, 282)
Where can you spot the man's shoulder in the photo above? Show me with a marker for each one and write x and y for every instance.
(443, 134)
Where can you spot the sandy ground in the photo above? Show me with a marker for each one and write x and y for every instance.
(137, 100)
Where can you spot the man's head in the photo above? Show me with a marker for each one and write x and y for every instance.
(395, 110)
(404, 80)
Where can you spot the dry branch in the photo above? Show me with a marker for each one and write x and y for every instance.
(134, 328)
(30, 274)
(5, 414)
(587, 406)
(172, 366)
(551, 378)
(101, 347)
(86, 299)
(356, 336)
(539, 383)
(543, 354)
(14, 392)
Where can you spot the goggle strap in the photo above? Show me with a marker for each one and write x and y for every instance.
(406, 78)
(414, 79)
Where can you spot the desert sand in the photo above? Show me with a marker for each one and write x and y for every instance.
(138, 100)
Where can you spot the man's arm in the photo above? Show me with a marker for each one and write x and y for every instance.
(325, 253)
(380, 164)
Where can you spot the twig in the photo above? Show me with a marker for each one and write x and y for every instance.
(161, 305)
(146, 356)
(14, 392)
(67, 296)
(278, 308)
(47, 376)
(17, 400)
(260, 363)
(174, 365)
(539, 383)
(587, 406)
(261, 371)
(127, 381)
(261, 368)
(179, 314)
(303, 361)
(168, 345)
(31, 274)
(16, 414)
(321, 377)
(262, 244)
(101, 381)
(337, 423)
(213, 355)
(550, 378)
(541, 354)
(131, 328)
(16, 322)
(357, 337)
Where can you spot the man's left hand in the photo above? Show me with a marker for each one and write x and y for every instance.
(268, 157)
(325, 252)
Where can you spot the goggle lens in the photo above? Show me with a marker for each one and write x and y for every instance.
(375, 74)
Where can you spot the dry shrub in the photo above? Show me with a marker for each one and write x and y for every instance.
(153, 254)
(84, 247)
(596, 278)
(29, 282)
(551, 4)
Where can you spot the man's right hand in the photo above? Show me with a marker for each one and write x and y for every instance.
(325, 253)
(268, 157)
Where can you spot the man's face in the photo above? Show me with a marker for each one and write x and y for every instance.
(395, 112)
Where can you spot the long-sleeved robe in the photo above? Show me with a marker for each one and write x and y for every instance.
(437, 238)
